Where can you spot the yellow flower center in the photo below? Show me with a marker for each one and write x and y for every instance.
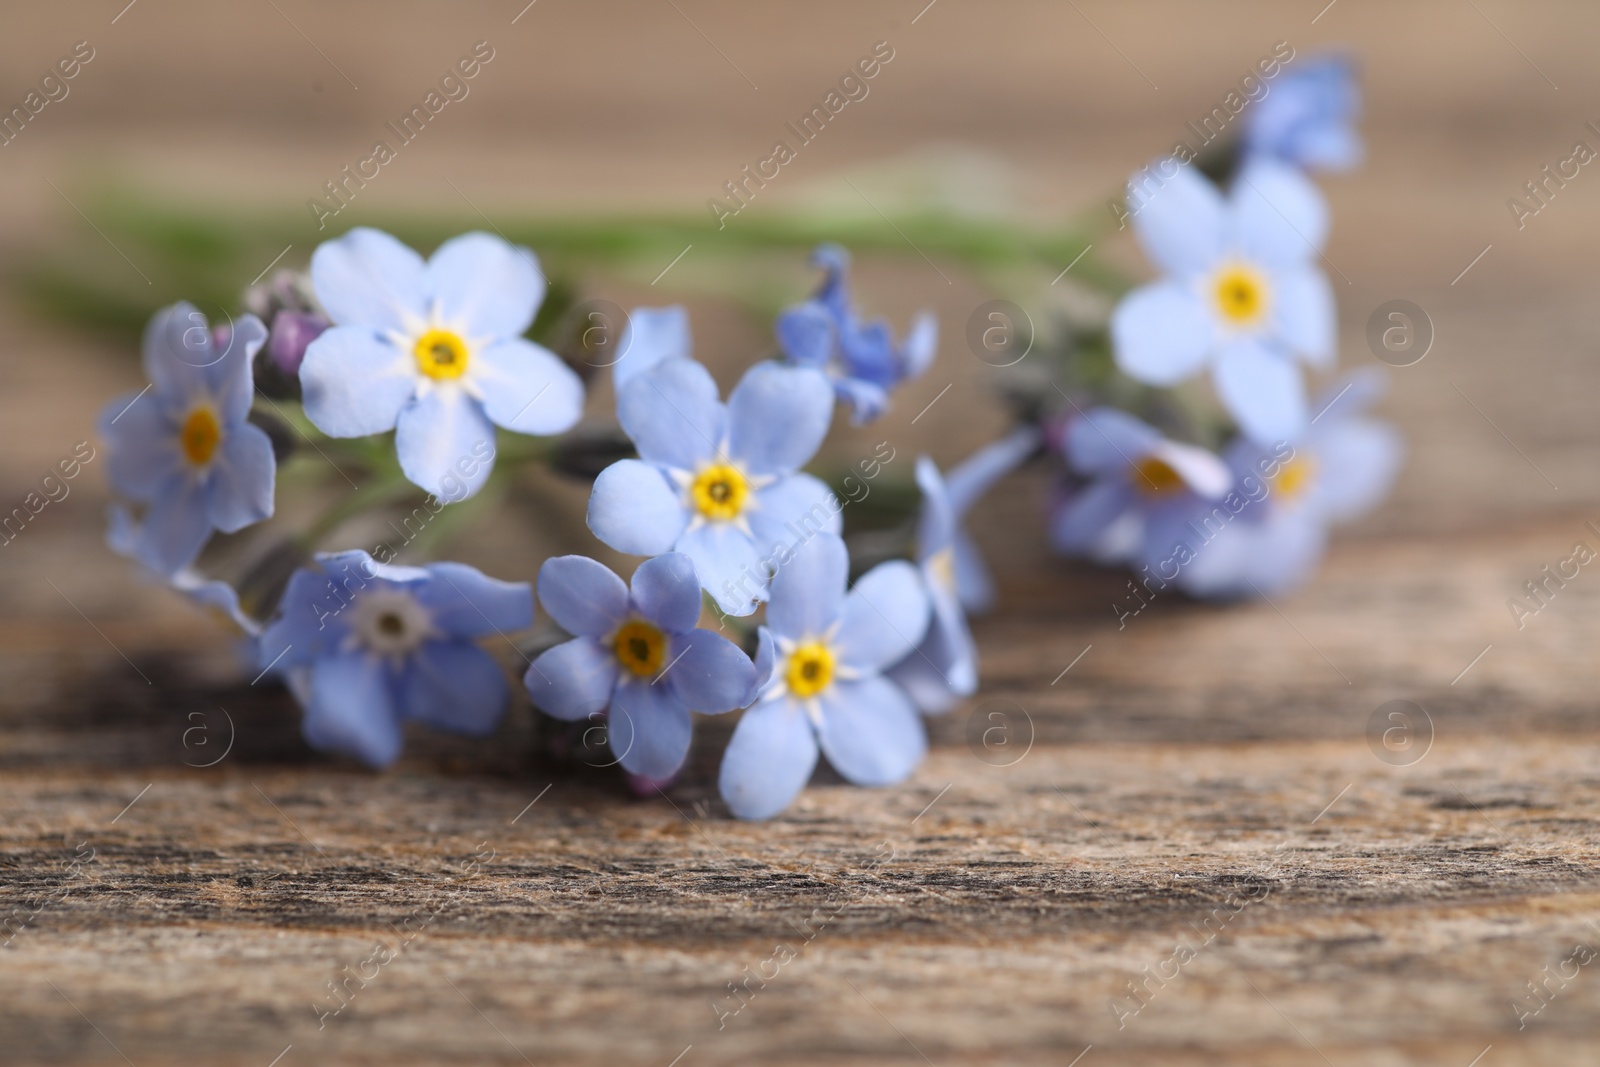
(1294, 478)
(1241, 295)
(640, 647)
(1155, 477)
(200, 436)
(810, 670)
(720, 492)
(441, 354)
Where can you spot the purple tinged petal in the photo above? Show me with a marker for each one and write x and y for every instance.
(969, 480)
(292, 333)
(921, 346)
(239, 485)
(1082, 519)
(351, 709)
(709, 673)
(667, 592)
(634, 509)
(584, 596)
(871, 732)
(175, 527)
(768, 761)
(454, 686)
(143, 452)
(573, 680)
(465, 602)
(649, 729)
(806, 334)
(1106, 440)
(1201, 471)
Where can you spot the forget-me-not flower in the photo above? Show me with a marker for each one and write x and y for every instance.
(434, 351)
(186, 450)
(367, 646)
(637, 657)
(1243, 293)
(1308, 119)
(717, 482)
(1338, 470)
(944, 667)
(826, 689)
(861, 359)
(214, 595)
(1140, 488)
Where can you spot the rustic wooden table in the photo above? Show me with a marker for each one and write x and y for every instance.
(1188, 848)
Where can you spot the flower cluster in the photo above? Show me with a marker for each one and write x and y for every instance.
(1243, 298)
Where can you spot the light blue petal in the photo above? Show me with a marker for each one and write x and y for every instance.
(1354, 463)
(355, 383)
(584, 596)
(634, 509)
(573, 680)
(777, 417)
(464, 602)
(649, 729)
(884, 617)
(1304, 315)
(1179, 221)
(1221, 567)
(1161, 333)
(866, 400)
(122, 533)
(808, 590)
(1280, 216)
(672, 414)
(921, 346)
(936, 521)
(766, 659)
(367, 278)
(1350, 395)
(481, 287)
(927, 686)
(454, 686)
(768, 761)
(175, 527)
(667, 592)
(709, 673)
(240, 485)
(142, 450)
(652, 336)
(791, 510)
(232, 377)
(1083, 518)
(1262, 390)
(1285, 553)
(729, 567)
(178, 355)
(527, 388)
(974, 587)
(969, 480)
(949, 646)
(1107, 441)
(310, 617)
(217, 597)
(351, 709)
(870, 732)
(806, 334)
(439, 440)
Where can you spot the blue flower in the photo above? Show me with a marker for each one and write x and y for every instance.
(636, 657)
(861, 359)
(944, 667)
(367, 646)
(433, 350)
(1140, 488)
(186, 451)
(826, 651)
(718, 482)
(215, 596)
(1338, 470)
(1243, 292)
(1308, 118)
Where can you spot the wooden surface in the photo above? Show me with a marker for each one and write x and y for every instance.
(1195, 806)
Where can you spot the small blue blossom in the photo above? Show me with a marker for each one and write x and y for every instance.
(215, 596)
(1338, 470)
(434, 351)
(860, 358)
(1243, 292)
(944, 667)
(1139, 490)
(717, 482)
(1309, 117)
(823, 654)
(637, 658)
(366, 646)
(183, 447)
